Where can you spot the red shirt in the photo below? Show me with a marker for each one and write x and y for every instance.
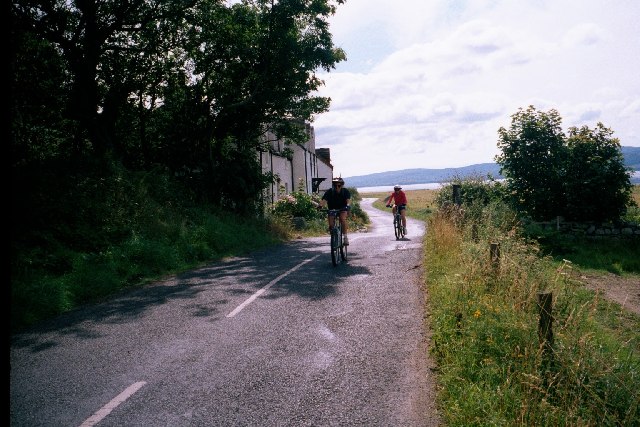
(400, 198)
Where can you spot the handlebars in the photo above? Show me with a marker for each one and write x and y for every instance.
(347, 209)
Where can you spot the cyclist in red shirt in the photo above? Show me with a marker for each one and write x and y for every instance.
(400, 202)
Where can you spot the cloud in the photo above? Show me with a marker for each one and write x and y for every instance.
(632, 109)
(583, 35)
(430, 82)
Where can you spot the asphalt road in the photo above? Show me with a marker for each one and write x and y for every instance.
(277, 338)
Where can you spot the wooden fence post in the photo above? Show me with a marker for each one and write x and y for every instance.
(545, 326)
(494, 255)
(456, 194)
(474, 232)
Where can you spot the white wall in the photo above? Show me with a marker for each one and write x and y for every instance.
(303, 166)
(324, 171)
(281, 168)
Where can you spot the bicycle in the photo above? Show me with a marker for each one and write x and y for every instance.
(338, 248)
(397, 224)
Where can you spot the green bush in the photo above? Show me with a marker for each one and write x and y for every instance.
(632, 214)
(300, 204)
(474, 190)
(297, 204)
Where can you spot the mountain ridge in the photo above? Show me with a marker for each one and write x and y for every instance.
(421, 176)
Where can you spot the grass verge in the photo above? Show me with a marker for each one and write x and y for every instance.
(494, 365)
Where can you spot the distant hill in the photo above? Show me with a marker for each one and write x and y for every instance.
(632, 157)
(421, 176)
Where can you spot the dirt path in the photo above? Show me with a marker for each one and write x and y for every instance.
(623, 290)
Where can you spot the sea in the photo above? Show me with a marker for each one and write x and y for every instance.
(389, 188)
(635, 179)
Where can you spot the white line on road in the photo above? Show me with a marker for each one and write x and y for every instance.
(249, 300)
(106, 409)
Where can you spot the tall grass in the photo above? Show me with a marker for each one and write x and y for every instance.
(492, 365)
(493, 369)
(38, 292)
(136, 229)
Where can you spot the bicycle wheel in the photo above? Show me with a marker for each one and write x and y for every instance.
(343, 252)
(335, 243)
(397, 227)
(340, 245)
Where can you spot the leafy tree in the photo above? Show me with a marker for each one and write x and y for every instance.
(108, 47)
(186, 85)
(254, 69)
(581, 177)
(38, 98)
(532, 161)
(598, 185)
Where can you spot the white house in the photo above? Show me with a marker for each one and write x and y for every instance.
(294, 165)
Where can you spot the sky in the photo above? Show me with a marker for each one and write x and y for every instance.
(428, 83)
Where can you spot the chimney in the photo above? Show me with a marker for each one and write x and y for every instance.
(324, 153)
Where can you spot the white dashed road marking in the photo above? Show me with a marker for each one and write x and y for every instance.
(106, 409)
(249, 300)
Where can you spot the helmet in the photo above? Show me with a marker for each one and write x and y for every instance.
(397, 187)
(338, 180)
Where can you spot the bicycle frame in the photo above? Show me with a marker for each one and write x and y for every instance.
(338, 249)
(397, 224)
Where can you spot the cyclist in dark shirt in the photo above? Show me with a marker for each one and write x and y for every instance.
(338, 197)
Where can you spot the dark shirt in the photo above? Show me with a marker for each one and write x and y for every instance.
(336, 199)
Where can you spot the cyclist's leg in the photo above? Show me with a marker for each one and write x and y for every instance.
(331, 221)
(343, 225)
(343, 221)
(404, 216)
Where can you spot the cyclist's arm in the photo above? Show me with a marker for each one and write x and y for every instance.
(347, 198)
(324, 200)
(391, 197)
